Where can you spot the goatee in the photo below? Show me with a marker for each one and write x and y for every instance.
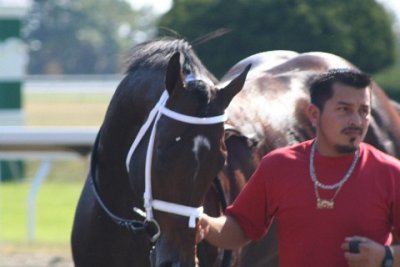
(347, 149)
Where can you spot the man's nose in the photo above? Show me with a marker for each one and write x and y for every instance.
(355, 119)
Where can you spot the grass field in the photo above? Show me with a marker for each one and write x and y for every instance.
(55, 208)
(58, 196)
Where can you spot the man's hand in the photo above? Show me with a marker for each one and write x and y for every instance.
(203, 228)
(224, 232)
(370, 253)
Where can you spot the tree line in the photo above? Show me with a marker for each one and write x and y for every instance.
(94, 37)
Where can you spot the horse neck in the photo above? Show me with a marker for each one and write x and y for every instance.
(117, 134)
(126, 113)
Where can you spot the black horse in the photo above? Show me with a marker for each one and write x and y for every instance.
(160, 146)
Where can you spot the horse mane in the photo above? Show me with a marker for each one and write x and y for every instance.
(155, 54)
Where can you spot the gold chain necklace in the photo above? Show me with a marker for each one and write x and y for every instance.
(329, 203)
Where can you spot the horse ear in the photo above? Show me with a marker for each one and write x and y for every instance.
(173, 75)
(234, 86)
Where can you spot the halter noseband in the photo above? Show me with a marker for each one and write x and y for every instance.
(149, 203)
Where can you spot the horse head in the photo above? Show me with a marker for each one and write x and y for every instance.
(184, 152)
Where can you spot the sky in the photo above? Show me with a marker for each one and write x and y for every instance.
(161, 6)
(392, 6)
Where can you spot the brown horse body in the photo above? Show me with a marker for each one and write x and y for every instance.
(270, 112)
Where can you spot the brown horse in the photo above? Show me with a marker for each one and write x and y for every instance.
(270, 112)
(160, 146)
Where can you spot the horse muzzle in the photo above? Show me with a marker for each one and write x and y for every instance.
(165, 254)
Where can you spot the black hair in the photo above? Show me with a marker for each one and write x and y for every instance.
(321, 87)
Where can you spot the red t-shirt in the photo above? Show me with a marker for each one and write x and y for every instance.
(367, 205)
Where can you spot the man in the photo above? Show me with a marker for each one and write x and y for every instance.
(335, 199)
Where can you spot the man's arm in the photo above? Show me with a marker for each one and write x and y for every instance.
(224, 232)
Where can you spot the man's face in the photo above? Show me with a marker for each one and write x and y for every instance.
(343, 123)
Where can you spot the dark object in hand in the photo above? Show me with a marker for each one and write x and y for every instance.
(354, 246)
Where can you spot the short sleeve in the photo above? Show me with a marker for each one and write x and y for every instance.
(250, 207)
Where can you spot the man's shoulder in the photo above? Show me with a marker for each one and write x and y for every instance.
(303, 146)
(291, 151)
(374, 154)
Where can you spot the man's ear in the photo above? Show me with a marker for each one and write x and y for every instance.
(313, 114)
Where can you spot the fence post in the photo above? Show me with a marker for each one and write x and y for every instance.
(40, 177)
(13, 60)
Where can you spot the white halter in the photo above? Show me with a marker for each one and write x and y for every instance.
(149, 202)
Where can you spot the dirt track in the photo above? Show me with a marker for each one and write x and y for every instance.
(34, 257)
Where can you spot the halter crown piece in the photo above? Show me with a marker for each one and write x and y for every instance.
(329, 203)
(149, 203)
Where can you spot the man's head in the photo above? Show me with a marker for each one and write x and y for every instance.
(321, 88)
(340, 110)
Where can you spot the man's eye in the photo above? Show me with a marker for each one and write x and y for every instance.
(364, 112)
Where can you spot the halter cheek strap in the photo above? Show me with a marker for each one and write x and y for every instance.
(150, 203)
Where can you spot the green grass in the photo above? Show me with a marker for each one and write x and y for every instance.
(13, 211)
(59, 194)
(55, 210)
(55, 207)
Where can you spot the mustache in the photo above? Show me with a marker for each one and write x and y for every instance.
(352, 129)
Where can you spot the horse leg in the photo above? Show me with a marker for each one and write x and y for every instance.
(98, 241)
